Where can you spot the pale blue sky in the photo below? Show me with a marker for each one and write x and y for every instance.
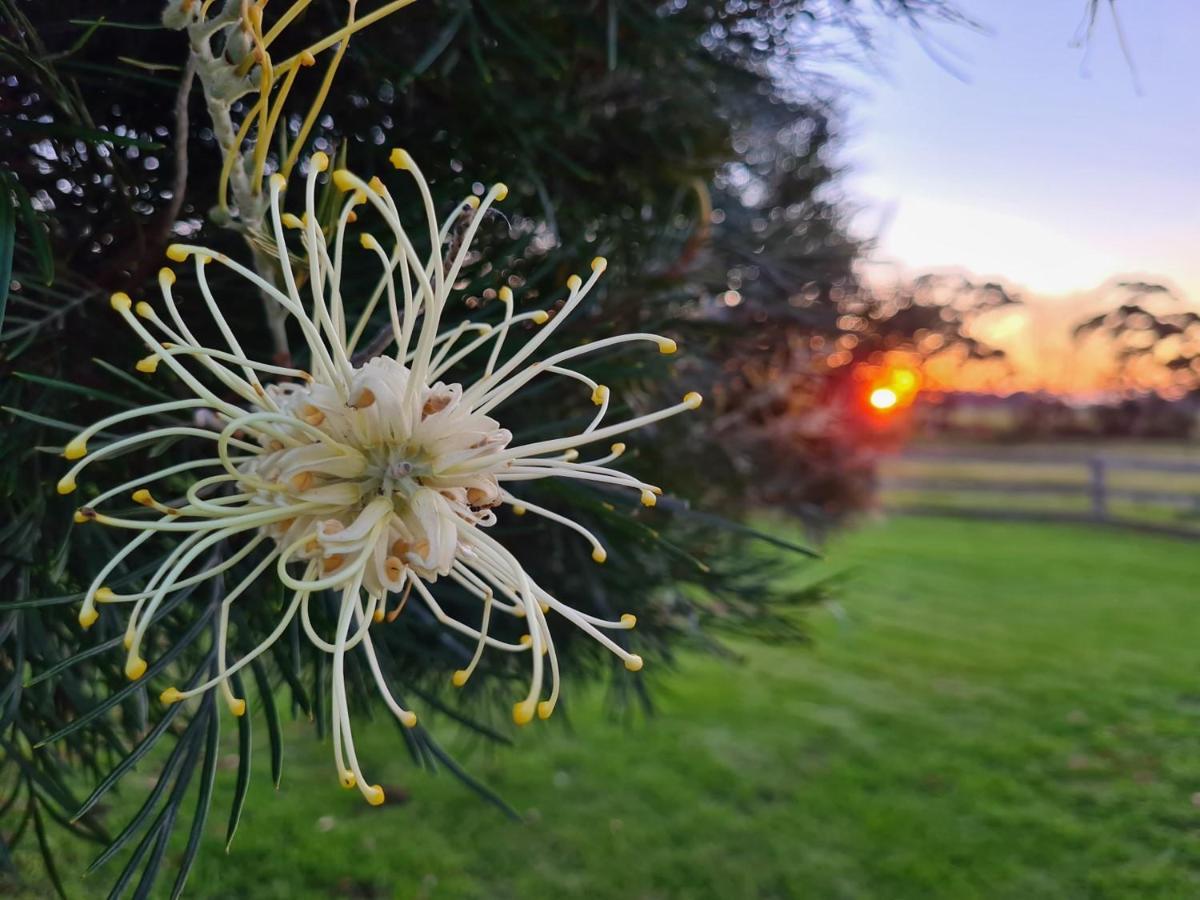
(1042, 168)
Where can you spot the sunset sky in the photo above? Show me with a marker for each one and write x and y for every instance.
(1050, 167)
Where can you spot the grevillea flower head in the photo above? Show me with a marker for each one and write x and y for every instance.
(373, 480)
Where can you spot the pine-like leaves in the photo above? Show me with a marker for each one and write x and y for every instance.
(610, 121)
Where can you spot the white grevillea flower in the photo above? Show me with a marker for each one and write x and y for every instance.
(374, 480)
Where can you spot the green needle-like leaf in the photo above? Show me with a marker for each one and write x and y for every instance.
(208, 777)
(8, 237)
(274, 732)
(243, 773)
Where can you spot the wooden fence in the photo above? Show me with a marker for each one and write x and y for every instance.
(1100, 497)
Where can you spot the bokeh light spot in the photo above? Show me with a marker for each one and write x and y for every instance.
(883, 398)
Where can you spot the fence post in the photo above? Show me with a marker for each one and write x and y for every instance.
(1099, 489)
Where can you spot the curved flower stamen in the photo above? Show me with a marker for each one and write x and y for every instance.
(368, 480)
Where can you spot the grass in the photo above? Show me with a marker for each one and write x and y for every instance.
(989, 710)
(996, 501)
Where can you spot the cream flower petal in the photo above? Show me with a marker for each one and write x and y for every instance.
(375, 480)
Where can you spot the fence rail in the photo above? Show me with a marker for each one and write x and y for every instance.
(1101, 496)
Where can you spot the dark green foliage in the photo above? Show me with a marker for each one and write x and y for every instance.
(619, 126)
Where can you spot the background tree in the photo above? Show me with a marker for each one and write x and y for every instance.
(689, 143)
(1154, 344)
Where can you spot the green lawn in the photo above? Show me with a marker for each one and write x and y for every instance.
(989, 710)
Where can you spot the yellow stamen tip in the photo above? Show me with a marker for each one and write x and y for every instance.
(376, 185)
(400, 159)
(574, 282)
(375, 795)
(648, 498)
(171, 695)
(307, 59)
(541, 317)
(409, 720)
(319, 160)
(120, 301)
(237, 706)
(599, 264)
(523, 712)
(634, 663)
(526, 640)
(87, 617)
(600, 394)
(367, 241)
(519, 510)
(144, 309)
(459, 678)
(501, 190)
(506, 295)
(76, 449)
(617, 448)
(147, 364)
(135, 668)
(278, 182)
(127, 641)
(628, 620)
(667, 346)
(79, 518)
(599, 554)
(290, 220)
(104, 594)
(348, 780)
(166, 276)
(143, 497)
(473, 202)
(177, 252)
(544, 709)
(692, 400)
(66, 484)
(343, 180)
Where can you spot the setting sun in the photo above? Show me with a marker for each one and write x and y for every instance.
(883, 398)
(888, 387)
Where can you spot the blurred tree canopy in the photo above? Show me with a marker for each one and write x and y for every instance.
(692, 143)
(1154, 343)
